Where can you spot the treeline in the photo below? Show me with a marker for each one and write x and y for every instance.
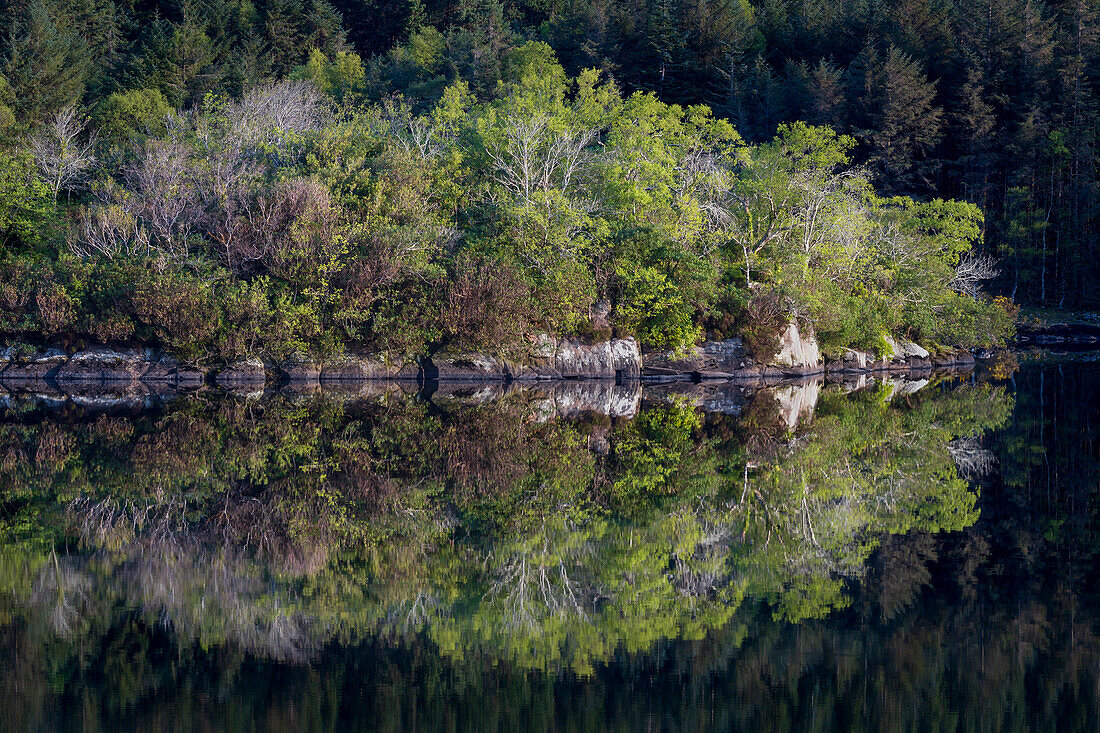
(992, 101)
(160, 187)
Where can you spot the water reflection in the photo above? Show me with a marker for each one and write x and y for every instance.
(717, 538)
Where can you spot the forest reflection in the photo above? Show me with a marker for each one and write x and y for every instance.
(549, 527)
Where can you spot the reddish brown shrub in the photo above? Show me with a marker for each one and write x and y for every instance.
(488, 306)
(765, 317)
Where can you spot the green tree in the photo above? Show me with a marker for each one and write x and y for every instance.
(47, 62)
(896, 117)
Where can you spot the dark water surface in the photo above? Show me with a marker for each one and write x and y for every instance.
(869, 556)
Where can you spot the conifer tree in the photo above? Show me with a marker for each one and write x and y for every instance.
(895, 117)
(47, 62)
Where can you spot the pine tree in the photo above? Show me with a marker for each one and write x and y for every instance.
(177, 59)
(1077, 117)
(922, 28)
(761, 101)
(736, 45)
(483, 38)
(973, 124)
(374, 26)
(324, 29)
(587, 34)
(662, 47)
(895, 117)
(284, 23)
(47, 63)
(826, 95)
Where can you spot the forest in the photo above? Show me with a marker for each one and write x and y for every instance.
(260, 179)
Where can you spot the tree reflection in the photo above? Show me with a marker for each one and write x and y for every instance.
(278, 526)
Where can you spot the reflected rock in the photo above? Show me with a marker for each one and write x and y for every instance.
(797, 401)
(726, 398)
(572, 399)
(550, 400)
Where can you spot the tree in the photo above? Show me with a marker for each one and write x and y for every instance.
(25, 201)
(63, 151)
(47, 62)
(895, 117)
(284, 24)
(126, 117)
(177, 59)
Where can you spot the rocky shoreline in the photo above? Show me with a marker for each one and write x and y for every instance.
(1073, 335)
(620, 360)
(795, 398)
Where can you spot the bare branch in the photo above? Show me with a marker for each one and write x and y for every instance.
(971, 272)
(60, 153)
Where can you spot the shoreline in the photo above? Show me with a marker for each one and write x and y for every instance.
(795, 397)
(617, 360)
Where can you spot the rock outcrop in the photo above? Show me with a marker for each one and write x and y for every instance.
(353, 368)
(549, 358)
(713, 360)
(798, 354)
(250, 372)
(96, 365)
(901, 355)
(798, 351)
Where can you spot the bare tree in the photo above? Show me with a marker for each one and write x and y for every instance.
(971, 459)
(164, 182)
(267, 114)
(110, 230)
(533, 157)
(60, 152)
(971, 272)
(417, 136)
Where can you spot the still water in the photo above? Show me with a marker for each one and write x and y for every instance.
(877, 555)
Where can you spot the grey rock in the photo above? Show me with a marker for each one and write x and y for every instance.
(352, 368)
(551, 358)
(797, 350)
(242, 373)
(466, 367)
(711, 360)
(300, 371)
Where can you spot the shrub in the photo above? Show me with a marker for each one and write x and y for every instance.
(488, 305)
(764, 319)
(653, 308)
(180, 310)
(128, 116)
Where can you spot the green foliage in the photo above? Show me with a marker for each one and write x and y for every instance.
(652, 308)
(934, 104)
(47, 61)
(127, 117)
(341, 77)
(26, 202)
(320, 222)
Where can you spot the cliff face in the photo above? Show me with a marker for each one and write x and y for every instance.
(549, 358)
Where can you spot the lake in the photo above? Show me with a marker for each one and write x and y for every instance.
(869, 555)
